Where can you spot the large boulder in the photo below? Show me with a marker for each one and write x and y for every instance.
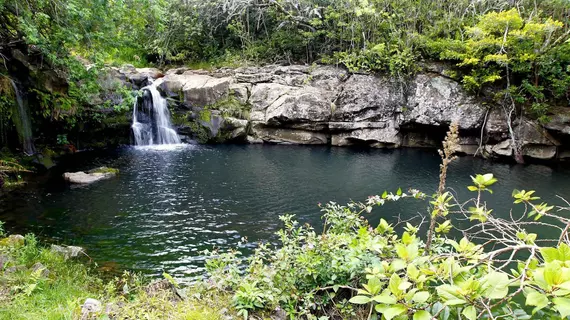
(68, 251)
(368, 98)
(196, 90)
(139, 77)
(559, 123)
(263, 95)
(306, 104)
(237, 129)
(496, 128)
(541, 152)
(213, 122)
(530, 132)
(438, 101)
(253, 75)
(501, 149)
(241, 92)
(202, 90)
(534, 140)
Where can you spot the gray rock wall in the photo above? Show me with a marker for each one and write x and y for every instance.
(327, 105)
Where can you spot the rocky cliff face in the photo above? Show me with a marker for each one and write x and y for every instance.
(328, 105)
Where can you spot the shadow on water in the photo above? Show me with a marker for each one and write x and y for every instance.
(167, 206)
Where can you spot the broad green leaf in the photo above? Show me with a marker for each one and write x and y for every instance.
(422, 315)
(470, 313)
(449, 292)
(397, 265)
(374, 285)
(553, 273)
(392, 311)
(536, 299)
(413, 272)
(385, 299)
(421, 296)
(404, 285)
(495, 285)
(549, 254)
(563, 252)
(562, 305)
(360, 300)
(564, 285)
(394, 285)
(455, 302)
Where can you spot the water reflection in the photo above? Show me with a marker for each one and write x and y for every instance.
(167, 206)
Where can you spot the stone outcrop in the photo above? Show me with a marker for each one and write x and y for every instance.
(137, 77)
(90, 176)
(68, 251)
(195, 90)
(438, 101)
(328, 105)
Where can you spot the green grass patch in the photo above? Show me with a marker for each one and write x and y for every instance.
(38, 283)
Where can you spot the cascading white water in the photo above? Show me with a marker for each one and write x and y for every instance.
(23, 123)
(151, 119)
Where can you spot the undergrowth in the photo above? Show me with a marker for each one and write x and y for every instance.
(38, 283)
(469, 265)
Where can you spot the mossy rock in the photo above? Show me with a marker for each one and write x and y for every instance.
(14, 240)
(104, 170)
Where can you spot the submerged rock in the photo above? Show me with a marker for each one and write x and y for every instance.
(90, 176)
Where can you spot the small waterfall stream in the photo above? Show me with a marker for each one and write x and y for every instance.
(151, 119)
(23, 123)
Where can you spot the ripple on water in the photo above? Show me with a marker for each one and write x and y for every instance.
(170, 203)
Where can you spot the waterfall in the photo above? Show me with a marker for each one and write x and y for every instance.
(151, 119)
(23, 123)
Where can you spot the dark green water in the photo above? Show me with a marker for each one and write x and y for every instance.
(168, 206)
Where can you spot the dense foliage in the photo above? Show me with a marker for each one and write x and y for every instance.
(53, 52)
(515, 53)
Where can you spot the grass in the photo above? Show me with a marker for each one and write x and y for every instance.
(29, 294)
(37, 283)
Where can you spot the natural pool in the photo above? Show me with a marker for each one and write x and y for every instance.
(167, 206)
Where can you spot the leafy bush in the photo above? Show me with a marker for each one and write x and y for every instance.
(488, 268)
(503, 48)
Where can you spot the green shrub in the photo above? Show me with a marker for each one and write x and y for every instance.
(489, 268)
